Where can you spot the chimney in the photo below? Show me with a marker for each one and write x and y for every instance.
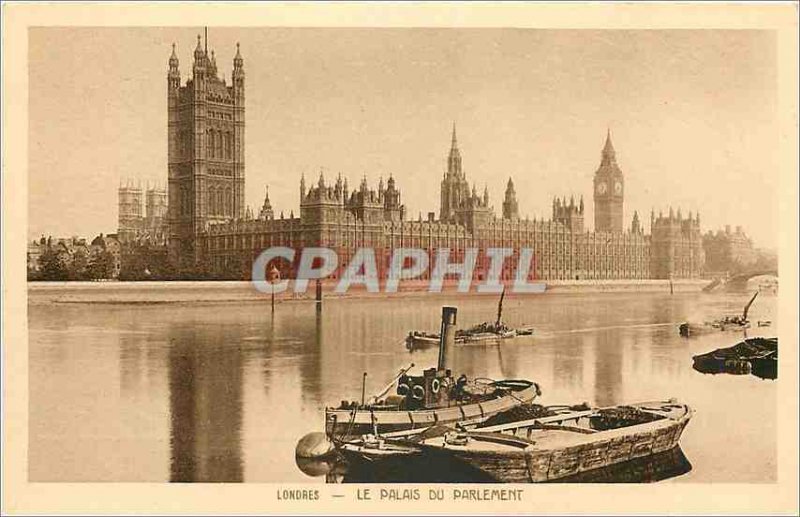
(447, 336)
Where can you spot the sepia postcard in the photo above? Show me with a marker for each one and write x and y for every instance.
(400, 258)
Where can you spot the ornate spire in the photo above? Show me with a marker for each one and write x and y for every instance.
(302, 185)
(174, 75)
(238, 62)
(198, 50)
(609, 154)
(173, 58)
(238, 69)
(212, 68)
(454, 159)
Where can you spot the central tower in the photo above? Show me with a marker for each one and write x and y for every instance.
(609, 190)
(454, 189)
(206, 150)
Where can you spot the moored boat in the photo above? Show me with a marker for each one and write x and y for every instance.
(435, 397)
(488, 331)
(727, 323)
(566, 444)
(755, 355)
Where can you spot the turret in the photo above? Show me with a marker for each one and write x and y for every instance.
(238, 74)
(174, 74)
(266, 208)
(635, 225)
(510, 206)
(212, 66)
(199, 67)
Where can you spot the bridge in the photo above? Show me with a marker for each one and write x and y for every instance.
(740, 279)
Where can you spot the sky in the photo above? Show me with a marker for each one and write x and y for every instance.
(692, 113)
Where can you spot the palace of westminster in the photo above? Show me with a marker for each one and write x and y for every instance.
(201, 217)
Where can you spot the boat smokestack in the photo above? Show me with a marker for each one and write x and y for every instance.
(447, 335)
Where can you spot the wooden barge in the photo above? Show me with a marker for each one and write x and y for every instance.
(757, 355)
(564, 445)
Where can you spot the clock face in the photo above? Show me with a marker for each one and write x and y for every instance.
(601, 187)
(618, 187)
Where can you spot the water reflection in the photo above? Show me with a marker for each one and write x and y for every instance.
(205, 385)
(222, 392)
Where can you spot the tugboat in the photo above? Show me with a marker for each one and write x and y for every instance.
(727, 323)
(491, 331)
(421, 401)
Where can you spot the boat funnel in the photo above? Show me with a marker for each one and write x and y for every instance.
(447, 336)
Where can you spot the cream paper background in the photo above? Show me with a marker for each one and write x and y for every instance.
(19, 496)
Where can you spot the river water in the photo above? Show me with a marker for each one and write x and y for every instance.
(223, 391)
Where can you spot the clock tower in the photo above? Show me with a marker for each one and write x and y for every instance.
(609, 190)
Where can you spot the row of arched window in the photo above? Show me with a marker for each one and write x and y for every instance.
(220, 144)
(220, 201)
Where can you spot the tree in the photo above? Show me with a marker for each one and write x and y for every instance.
(78, 266)
(101, 265)
(52, 266)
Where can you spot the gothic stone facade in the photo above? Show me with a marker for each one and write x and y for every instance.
(206, 150)
(137, 226)
(210, 226)
(334, 217)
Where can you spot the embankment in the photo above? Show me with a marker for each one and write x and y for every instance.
(238, 292)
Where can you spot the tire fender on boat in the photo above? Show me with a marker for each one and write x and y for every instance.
(435, 385)
(403, 389)
(418, 392)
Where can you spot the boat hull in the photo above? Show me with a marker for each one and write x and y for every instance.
(544, 461)
(549, 465)
(349, 423)
(423, 339)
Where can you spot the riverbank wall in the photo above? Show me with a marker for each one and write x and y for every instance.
(218, 292)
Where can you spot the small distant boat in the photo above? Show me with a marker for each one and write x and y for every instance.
(483, 332)
(566, 444)
(435, 397)
(753, 355)
(728, 323)
(476, 334)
